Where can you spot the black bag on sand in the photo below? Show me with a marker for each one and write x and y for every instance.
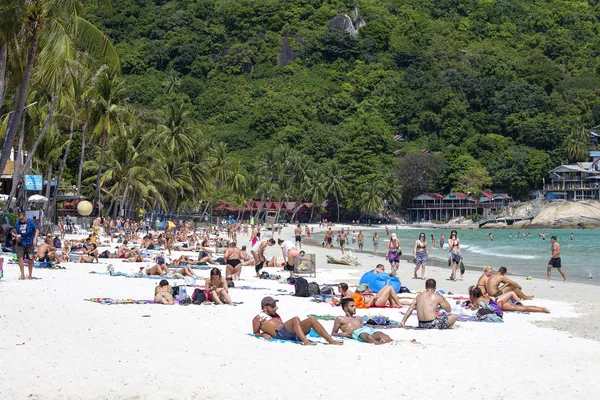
(326, 289)
(301, 287)
(404, 289)
(313, 289)
(198, 297)
(230, 283)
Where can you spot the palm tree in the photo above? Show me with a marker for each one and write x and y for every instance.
(372, 198)
(51, 30)
(576, 144)
(316, 188)
(172, 135)
(336, 184)
(220, 163)
(110, 115)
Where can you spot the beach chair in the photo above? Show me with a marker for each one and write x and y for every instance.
(78, 230)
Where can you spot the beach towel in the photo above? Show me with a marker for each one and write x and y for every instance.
(134, 275)
(311, 334)
(40, 264)
(110, 301)
(391, 324)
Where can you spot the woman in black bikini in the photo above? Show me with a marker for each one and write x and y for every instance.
(420, 254)
(92, 255)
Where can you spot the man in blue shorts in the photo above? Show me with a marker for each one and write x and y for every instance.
(351, 326)
(555, 259)
(272, 326)
(26, 234)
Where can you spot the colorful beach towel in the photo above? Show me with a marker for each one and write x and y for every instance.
(40, 264)
(110, 301)
(134, 275)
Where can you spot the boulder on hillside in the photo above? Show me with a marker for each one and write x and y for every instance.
(343, 23)
(286, 53)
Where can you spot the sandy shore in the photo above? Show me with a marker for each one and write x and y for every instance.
(55, 345)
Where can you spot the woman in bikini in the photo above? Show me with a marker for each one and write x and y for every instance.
(375, 242)
(454, 255)
(216, 285)
(507, 301)
(92, 255)
(163, 293)
(169, 239)
(394, 253)
(420, 254)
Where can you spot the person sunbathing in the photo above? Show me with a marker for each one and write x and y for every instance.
(351, 326)
(186, 271)
(507, 301)
(156, 269)
(268, 324)
(344, 291)
(483, 279)
(216, 285)
(426, 304)
(90, 256)
(498, 284)
(364, 297)
(47, 253)
(136, 258)
(163, 293)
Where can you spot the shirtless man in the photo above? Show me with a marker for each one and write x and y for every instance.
(426, 304)
(351, 326)
(482, 282)
(342, 236)
(272, 326)
(494, 289)
(289, 255)
(298, 234)
(233, 261)
(361, 240)
(555, 259)
(329, 238)
(46, 252)
(258, 252)
(507, 302)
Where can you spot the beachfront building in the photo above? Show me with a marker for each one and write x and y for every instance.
(579, 181)
(438, 207)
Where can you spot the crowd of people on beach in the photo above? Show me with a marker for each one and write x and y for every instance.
(493, 291)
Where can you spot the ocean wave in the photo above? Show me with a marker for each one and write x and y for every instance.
(488, 252)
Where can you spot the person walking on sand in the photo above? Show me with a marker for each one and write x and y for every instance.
(351, 326)
(268, 324)
(329, 238)
(394, 253)
(555, 259)
(455, 255)
(26, 234)
(342, 239)
(375, 243)
(298, 234)
(427, 304)
(420, 255)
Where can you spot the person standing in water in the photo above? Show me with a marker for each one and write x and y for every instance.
(420, 255)
(455, 255)
(432, 241)
(442, 240)
(555, 259)
(375, 242)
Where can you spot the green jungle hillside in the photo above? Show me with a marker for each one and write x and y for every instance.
(355, 102)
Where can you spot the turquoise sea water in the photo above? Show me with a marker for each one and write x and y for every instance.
(521, 256)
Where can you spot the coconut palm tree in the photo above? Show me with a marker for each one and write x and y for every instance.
(173, 134)
(50, 30)
(316, 188)
(372, 197)
(336, 184)
(576, 144)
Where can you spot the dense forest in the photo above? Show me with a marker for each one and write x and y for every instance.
(268, 99)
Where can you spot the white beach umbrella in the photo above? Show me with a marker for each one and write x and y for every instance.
(36, 198)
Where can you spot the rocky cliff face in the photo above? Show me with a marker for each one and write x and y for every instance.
(343, 23)
(568, 214)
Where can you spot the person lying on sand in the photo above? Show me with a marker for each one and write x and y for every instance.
(351, 326)
(364, 297)
(426, 304)
(157, 269)
(187, 271)
(163, 293)
(498, 284)
(507, 301)
(216, 285)
(272, 326)
(344, 291)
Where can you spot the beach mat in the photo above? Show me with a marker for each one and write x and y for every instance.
(41, 264)
(329, 317)
(110, 301)
(134, 275)
(311, 334)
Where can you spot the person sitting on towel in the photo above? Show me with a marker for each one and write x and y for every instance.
(364, 297)
(344, 291)
(216, 285)
(91, 255)
(426, 304)
(272, 326)
(47, 253)
(163, 293)
(351, 326)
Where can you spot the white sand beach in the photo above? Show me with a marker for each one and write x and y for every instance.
(55, 345)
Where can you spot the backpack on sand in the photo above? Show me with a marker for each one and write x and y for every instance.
(198, 297)
(301, 286)
(313, 289)
(327, 290)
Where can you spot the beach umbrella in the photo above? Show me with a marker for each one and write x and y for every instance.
(162, 225)
(36, 198)
(171, 224)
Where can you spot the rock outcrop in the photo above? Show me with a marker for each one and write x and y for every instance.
(568, 214)
(343, 23)
(286, 53)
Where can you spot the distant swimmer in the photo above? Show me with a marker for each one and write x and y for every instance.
(572, 236)
(555, 259)
(490, 237)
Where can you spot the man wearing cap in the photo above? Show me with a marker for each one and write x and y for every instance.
(482, 282)
(272, 326)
